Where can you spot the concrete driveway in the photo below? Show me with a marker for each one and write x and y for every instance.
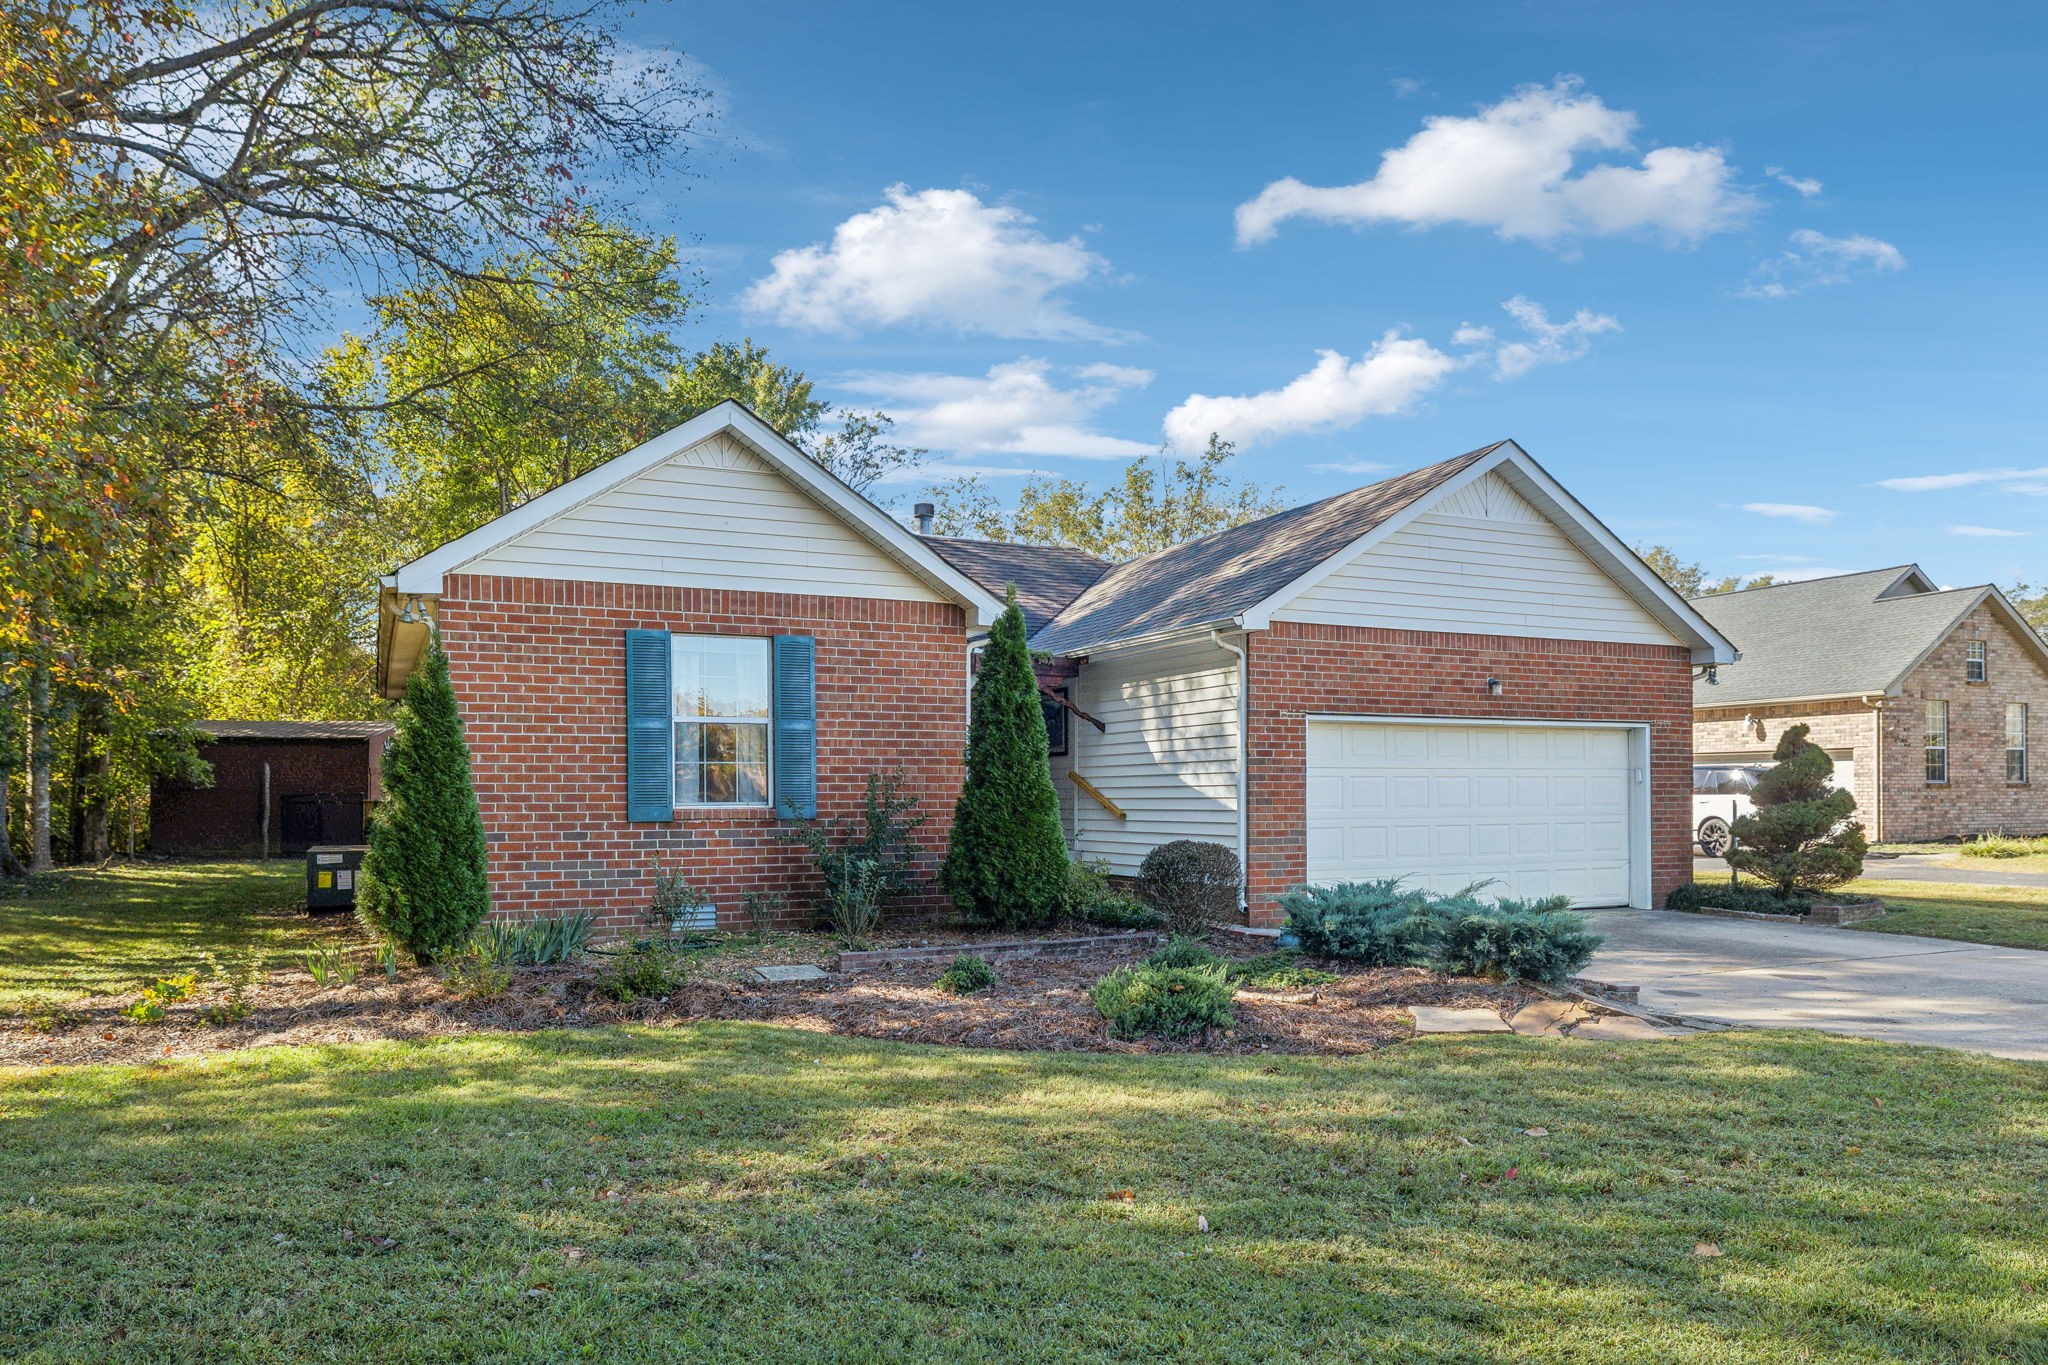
(1892, 986)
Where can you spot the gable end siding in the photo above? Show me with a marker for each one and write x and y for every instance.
(713, 516)
(1482, 561)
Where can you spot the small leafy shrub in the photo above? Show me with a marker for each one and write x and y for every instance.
(234, 979)
(2000, 846)
(1692, 897)
(478, 970)
(153, 1006)
(674, 896)
(763, 910)
(865, 869)
(1121, 912)
(536, 942)
(1515, 940)
(1192, 884)
(1185, 952)
(387, 958)
(1090, 899)
(331, 966)
(1382, 923)
(650, 971)
(1278, 971)
(47, 1014)
(966, 975)
(1150, 1000)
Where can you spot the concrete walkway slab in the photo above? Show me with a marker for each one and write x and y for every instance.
(1437, 1019)
(801, 972)
(1892, 986)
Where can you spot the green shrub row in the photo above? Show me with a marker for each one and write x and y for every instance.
(1696, 896)
(1386, 924)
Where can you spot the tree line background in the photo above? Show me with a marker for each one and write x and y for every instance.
(292, 292)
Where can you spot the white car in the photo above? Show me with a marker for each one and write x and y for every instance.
(1720, 793)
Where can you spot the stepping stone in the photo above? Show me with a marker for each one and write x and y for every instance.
(1437, 1019)
(1549, 1017)
(802, 972)
(1623, 1028)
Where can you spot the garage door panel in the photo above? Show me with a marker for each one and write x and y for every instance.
(1538, 811)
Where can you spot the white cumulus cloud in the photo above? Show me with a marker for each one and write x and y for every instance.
(1387, 380)
(1792, 511)
(1806, 185)
(1814, 260)
(1514, 167)
(1018, 408)
(1987, 531)
(935, 258)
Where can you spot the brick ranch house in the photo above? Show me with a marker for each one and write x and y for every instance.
(1454, 674)
(1926, 699)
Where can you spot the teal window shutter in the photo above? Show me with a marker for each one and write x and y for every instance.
(796, 727)
(650, 729)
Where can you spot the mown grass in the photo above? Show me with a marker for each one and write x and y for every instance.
(2008, 916)
(101, 932)
(737, 1192)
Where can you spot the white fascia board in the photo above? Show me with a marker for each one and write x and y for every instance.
(1260, 615)
(423, 576)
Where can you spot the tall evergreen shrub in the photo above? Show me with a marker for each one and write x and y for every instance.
(1800, 837)
(1007, 862)
(422, 883)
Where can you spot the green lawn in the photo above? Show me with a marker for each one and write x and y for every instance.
(2011, 916)
(86, 932)
(738, 1192)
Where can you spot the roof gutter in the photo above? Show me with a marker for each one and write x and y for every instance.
(1719, 703)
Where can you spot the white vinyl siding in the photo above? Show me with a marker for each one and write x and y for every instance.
(1168, 756)
(713, 516)
(1481, 561)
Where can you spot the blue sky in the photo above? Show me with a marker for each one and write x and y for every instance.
(1727, 271)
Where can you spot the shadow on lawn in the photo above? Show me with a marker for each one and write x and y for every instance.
(736, 1191)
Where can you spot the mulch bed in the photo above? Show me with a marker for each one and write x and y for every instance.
(1038, 1005)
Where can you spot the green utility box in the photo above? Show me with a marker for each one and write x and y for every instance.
(331, 871)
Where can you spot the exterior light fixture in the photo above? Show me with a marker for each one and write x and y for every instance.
(1494, 687)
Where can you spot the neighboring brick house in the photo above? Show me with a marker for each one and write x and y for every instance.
(278, 786)
(1454, 675)
(1929, 700)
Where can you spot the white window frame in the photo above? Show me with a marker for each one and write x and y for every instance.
(1937, 713)
(1976, 661)
(2016, 754)
(767, 724)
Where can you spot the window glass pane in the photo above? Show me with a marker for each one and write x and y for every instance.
(1974, 665)
(1937, 723)
(721, 763)
(2016, 725)
(717, 676)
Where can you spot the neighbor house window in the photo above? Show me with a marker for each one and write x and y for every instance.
(721, 718)
(1937, 741)
(1974, 667)
(2016, 741)
(1051, 706)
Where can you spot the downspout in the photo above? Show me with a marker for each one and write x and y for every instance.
(1244, 750)
(1876, 705)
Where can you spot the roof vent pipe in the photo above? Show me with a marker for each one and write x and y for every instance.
(924, 512)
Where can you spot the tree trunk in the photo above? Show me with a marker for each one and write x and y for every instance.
(41, 742)
(89, 841)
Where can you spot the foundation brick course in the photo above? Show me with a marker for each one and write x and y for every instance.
(539, 672)
(1298, 670)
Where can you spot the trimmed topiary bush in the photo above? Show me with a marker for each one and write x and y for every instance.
(1007, 863)
(1148, 1000)
(1800, 837)
(966, 975)
(1516, 941)
(1382, 924)
(422, 882)
(1191, 883)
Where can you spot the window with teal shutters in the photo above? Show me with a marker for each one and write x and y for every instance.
(796, 727)
(650, 732)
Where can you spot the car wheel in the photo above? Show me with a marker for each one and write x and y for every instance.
(1714, 836)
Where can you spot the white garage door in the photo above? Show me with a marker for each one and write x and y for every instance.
(1541, 811)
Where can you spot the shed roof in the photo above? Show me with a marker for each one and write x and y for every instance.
(293, 729)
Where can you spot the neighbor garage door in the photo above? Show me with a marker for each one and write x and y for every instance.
(1540, 811)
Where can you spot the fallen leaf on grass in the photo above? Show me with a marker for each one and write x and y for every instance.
(1706, 1249)
(1121, 1197)
(572, 1254)
(1201, 1223)
(1535, 1132)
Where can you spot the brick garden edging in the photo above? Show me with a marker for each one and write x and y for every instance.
(1834, 916)
(942, 955)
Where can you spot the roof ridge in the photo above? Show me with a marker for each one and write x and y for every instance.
(1823, 578)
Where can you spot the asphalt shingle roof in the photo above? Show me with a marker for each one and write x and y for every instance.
(1047, 576)
(293, 729)
(1828, 637)
(1220, 575)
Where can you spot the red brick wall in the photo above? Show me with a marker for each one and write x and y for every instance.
(1298, 670)
(539, 671)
